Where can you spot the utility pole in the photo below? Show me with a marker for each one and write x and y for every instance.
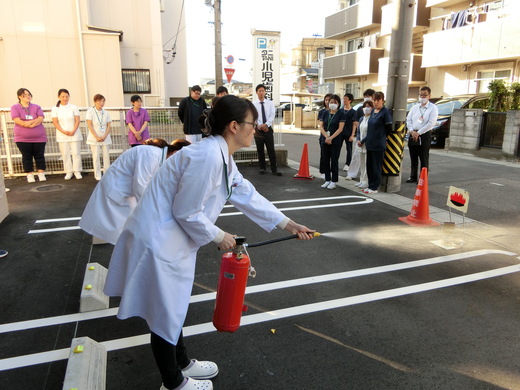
(399, 72)
(218, 45)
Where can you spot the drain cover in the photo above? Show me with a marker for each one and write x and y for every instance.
(48, 187)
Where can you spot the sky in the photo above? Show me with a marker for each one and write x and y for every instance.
(295, 19)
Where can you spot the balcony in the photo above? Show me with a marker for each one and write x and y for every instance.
(357, 63)
(362, 16)
(488, 41)
(417, 73)
(420, 19)
(443, 3)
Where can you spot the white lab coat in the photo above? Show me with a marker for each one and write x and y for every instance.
(118, 192)
(153, 264)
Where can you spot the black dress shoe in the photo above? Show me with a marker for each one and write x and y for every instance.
(277, 173)
(262, 171)
(411, 180)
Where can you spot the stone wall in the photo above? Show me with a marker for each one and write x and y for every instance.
(510, 145)
(465, 130)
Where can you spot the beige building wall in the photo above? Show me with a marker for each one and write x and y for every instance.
(46, 45)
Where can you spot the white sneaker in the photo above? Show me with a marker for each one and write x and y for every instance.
(363, 184)
(345, 168)
(331, 186)
(358, 184)
(98, 178)
(68, 176)
(323, 176)
(326, 184)
(30, 178)
(193, 384)
(200, 370)
(369, 191)
(78, 175)
(41, 176)
(348, 177)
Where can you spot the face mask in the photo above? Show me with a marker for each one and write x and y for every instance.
(367, 99)
(367, 110)
(423, 100)
(333, 106)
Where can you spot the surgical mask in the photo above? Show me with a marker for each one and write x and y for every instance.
(367, 99)
(333, 106)
(367, 110)
(423, 100)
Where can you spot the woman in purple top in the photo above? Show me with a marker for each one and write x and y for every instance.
(29, 134)
(137, 120)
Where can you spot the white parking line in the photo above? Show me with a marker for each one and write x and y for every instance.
(112, 345)
(59, 320)
(364, 200)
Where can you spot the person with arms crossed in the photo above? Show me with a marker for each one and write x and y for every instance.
(420, 120)
(175, 217)
(190, 109)
(264, 134)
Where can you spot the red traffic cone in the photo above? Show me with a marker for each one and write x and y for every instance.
(303, 172)
(420, 213)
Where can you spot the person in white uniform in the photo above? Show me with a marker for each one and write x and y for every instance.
(98, 123)
(65, 117)
(153, 263)
(118, 192)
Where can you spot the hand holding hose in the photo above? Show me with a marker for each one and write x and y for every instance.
(303, 232)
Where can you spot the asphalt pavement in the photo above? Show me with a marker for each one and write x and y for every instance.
(372, 304)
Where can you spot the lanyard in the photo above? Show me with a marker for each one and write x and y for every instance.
(228, 188)
(330, 120)
(423, 112)
(102, 114)
(165, 150)
(26, 109)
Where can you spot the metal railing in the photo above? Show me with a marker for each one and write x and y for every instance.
(164, 123)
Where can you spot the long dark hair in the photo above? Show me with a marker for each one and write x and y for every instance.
(227, 109)
(20, 92)
(59, 93)
(175, 146)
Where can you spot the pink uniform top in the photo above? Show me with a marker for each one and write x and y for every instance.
(137, 119)
(28, 134)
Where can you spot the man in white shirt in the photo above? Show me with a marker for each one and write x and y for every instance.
(420, 120)
(264, 134)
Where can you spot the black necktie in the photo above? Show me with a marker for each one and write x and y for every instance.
(263, 113)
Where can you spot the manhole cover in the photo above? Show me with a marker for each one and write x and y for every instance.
(48, 188)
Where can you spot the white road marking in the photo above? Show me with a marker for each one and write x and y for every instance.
(59, 320)
(498, 184)
(364, 200)
(112, 345)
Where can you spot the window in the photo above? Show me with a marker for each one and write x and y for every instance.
(354, 44)
(136, 81)
(352, 88)
(483, 78)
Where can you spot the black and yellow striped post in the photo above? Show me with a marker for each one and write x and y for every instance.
(394, 152)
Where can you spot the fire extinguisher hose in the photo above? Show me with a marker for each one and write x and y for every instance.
(316, 234)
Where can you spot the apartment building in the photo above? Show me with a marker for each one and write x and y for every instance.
(458, 46)
(470, 43)
(116, 48)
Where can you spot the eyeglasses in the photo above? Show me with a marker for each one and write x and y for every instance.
(254, 124)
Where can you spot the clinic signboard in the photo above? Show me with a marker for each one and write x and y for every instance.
(266, 63)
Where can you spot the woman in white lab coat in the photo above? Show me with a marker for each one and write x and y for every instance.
(118, 192)
(153, 264)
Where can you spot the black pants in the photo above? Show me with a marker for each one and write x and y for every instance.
(330, 156)
(32, 150)
(348, 145)
(170, 359)
(266, 139)
(420, 152)
(374, 168)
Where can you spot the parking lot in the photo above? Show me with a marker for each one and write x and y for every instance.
(371, 304)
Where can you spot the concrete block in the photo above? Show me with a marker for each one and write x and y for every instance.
(92, 296)
(87, 365)
(98, 241)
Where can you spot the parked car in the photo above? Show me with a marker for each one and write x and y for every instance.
(446, 106)
(287, 107)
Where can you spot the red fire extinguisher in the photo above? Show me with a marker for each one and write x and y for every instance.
(229, 304)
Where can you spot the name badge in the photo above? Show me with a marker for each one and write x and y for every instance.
(102, 128)
(420, 120)
(29, 117)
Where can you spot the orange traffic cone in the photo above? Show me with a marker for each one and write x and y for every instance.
(420, 214)
(303, 172)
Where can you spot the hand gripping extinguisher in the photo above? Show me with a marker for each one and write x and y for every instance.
(234, 270)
